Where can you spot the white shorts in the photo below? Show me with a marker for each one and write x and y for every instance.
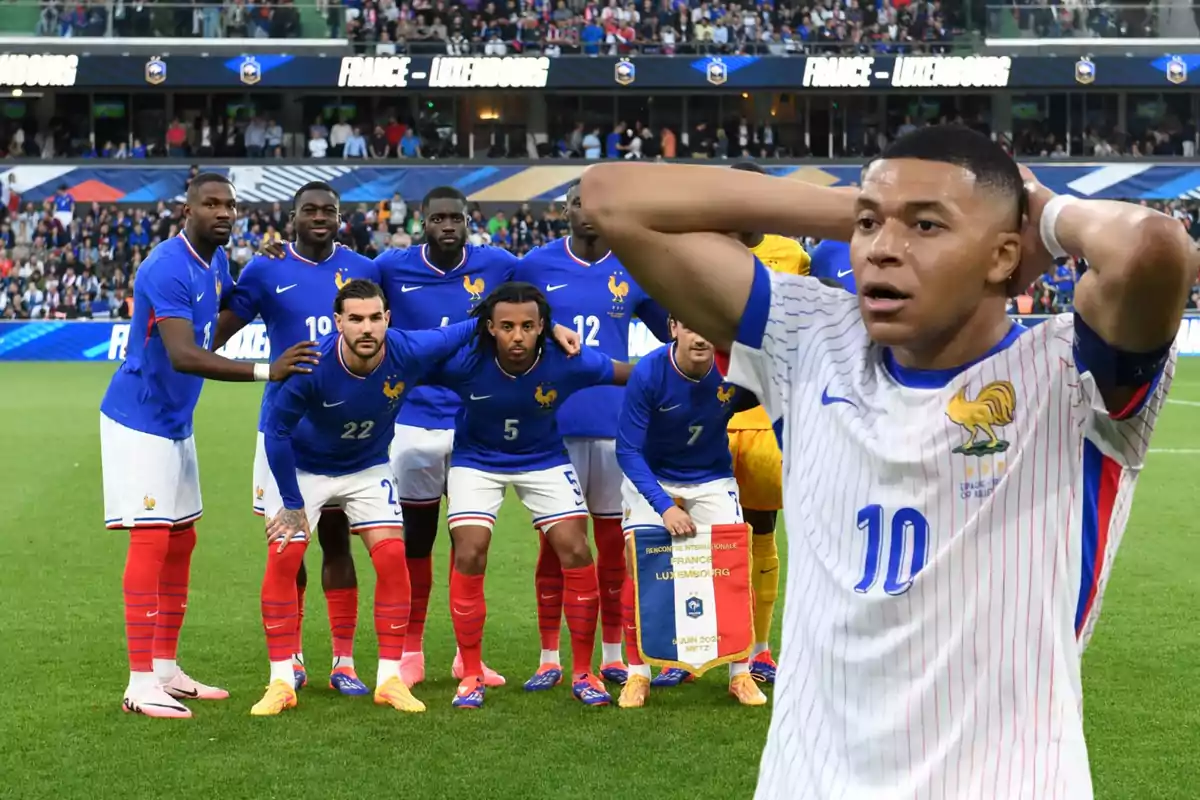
(264, 481)
(149, 481)
(420, 461)
(369, 498)
(600, 475)
(551, 495)
(712, 503)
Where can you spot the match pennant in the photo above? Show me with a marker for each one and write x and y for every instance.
(692, 595)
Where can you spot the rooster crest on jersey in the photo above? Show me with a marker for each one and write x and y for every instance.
(340, 279)
(475, 288)
(545, 399)
(725, 393)
(148, 503)
(992, 408)
(393, 390)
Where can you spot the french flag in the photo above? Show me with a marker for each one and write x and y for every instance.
(695, 607)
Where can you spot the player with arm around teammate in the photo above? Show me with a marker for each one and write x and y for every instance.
(936, 456)
(674, 450)
(294, 296)
(511, 383)
(147, 449)
(589, 288)
(327, 437)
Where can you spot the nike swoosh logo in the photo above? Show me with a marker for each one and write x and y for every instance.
(844, 273)
(192, 693)
(199, 297)
(581, 598)
(827, 399)
(150, 614)
(670, 408)
(460, 613)
(273, 627)
(332, 405)
(767, 571)
(398, 627)
(282, 289)
(548, 596)
(480, 397)
(407, 289)
(555, 288)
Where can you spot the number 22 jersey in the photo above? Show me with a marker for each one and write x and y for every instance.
(950, 537)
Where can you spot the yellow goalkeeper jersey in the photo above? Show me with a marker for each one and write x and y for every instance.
(782, 255)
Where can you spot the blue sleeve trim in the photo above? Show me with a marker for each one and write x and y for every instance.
(758, 309)
(1113, 368)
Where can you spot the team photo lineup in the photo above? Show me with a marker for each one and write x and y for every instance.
(954, 484)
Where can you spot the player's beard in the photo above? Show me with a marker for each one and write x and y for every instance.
(358, 344)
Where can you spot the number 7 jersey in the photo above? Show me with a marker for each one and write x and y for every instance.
(950, 537)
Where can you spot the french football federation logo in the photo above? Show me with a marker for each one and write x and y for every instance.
(992, 408)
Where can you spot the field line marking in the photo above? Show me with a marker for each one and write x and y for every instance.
(1192, 403)
(1175, 451)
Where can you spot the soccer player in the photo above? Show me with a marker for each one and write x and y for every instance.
(831, 260)
(588, 286)
(955, 485)
(327, 436)
(673, 448)
(294, 295)
(147, 451)
(758, 467)
(512, 384)
(436, 283)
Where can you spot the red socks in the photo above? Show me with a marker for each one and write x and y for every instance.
(631, 644)
(392, 597)
(173, 591)
(343, 619)
(468, 610)
(548, 583)
(280, 600)
(582, 604)
(143, 566)
(420, 573)
(610, 571)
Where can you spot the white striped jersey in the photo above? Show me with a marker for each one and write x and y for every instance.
(950, 535)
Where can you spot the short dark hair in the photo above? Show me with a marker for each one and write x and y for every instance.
(358, 289)
(992, 167)
(314, 186)
(205, 178)
(510, 292)
(749, 166)
(443, 193)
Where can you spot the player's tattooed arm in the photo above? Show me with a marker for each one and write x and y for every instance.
(284, 526)
(272, 248)
(187, 357)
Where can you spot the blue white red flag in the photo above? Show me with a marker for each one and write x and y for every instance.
(695, 607)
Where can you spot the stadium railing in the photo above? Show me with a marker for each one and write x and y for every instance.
(105, 340)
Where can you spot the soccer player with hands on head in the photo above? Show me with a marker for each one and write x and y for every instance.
(955, 484)
(673, 447)
(147, 449)
(294, 294)
(512, 383)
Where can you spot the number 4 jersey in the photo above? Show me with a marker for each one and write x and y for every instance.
(950, 537)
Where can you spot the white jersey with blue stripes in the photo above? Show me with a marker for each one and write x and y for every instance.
(950, 537)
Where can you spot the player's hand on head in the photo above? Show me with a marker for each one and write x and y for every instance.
(567, 339)
(298, 358)
(1035, 258)
(271, 248)
(678, 522)
(286, 524)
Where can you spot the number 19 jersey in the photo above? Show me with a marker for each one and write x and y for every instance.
(950, 537)
(294, 296)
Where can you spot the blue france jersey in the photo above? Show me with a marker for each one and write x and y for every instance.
(424, 296)
(508, 422)
(294, 296)
(333, 422)
(673, 428)
(146, 393)
(832, 260)
(599, 299)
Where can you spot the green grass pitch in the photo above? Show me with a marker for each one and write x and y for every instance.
(62, 658)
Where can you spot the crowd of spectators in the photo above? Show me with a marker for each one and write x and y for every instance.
(255, 19)
(59, 261)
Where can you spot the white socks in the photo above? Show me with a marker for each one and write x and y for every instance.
(282, 671)
(550, 657)
(610, 653)
(165, 669)
(388, 668)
